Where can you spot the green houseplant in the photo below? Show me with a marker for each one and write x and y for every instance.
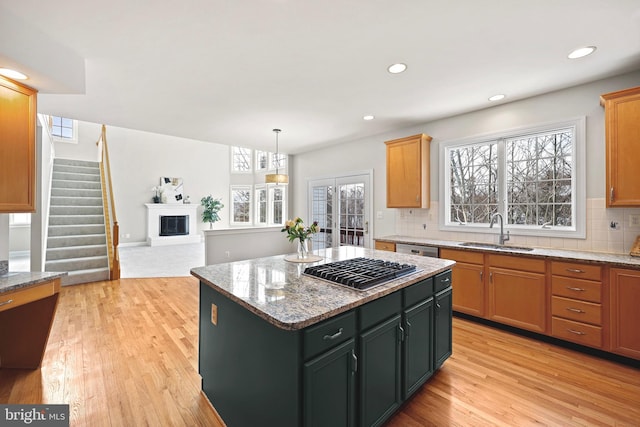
(211, 208)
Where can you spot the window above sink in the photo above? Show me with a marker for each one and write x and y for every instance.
(534, 176)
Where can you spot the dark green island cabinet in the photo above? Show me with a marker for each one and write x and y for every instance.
(354, 368)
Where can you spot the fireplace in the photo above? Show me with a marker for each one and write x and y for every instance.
(174, 225)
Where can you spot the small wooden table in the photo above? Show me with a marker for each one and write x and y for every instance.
(26, 316)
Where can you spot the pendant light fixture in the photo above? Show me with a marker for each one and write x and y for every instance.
(277, 178)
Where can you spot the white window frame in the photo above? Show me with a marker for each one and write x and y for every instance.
(249, 170)
(56, 138)
(232, 220)
(267, 155)
(258, 189)
(578, 228)
(20, 220)
(271, 204)
(282, 166)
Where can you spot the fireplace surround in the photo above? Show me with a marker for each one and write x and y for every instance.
(172, 224)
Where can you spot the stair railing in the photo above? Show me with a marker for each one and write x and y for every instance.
(112, 229)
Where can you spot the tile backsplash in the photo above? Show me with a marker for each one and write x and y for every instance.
(600, 236)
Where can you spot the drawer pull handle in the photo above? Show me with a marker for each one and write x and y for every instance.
(6, 302)
(571, 288)
(334, 336)
(575, 310)
(575, 270)
(573, 331)
(446, 280)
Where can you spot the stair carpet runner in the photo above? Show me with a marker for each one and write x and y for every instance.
(76, 241)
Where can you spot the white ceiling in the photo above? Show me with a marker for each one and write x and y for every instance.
(230, 71)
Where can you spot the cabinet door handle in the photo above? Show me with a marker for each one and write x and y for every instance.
(408, 326)
(611, 194)
(575, 270)
(491, 277)
(572, 288)
(355, 361)
(573, 331)
(334, 336)
(438, 305)
(6, 302)
(400, 333)
(575, 310)
(447, 280)
(481, 275)
(417, 198)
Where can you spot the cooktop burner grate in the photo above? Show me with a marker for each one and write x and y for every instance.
(360, 273)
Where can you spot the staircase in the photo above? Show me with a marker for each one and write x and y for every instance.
(77, 241)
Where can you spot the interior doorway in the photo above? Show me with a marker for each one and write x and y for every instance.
(341, 205)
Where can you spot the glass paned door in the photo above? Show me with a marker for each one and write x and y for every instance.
(341, 207)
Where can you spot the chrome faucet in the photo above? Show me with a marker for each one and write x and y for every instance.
(503, 238)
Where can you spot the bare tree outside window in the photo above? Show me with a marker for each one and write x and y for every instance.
(241, 161)
(241, 205)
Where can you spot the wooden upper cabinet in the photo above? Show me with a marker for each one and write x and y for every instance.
(17, 147)
(622, 122)
(408, 172)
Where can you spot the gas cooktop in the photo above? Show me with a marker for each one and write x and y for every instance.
(360, 273)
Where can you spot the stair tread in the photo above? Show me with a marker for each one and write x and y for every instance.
(62, 248)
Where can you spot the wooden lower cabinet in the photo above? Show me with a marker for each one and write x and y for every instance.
(467, 281)
(517, 297)
(625, 312)
(385, 246)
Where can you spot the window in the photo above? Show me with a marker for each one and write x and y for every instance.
(276, 196)
(262, 160)
(241, 205)
(63, 129)
(278, 161)
(19, 219)
(261, 205)
(240, 159)
(533, 177)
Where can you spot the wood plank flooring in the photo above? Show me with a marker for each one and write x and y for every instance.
(125, 353)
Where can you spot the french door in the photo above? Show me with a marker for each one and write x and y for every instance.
(341, 205)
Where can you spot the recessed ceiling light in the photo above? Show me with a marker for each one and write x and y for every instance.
(497, 97)
(368, 117)
(397, 68)
(581, 52)
(12, 74)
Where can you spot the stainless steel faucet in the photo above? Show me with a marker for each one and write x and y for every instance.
(503, 238)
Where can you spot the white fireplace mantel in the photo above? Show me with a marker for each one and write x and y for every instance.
(156, 210)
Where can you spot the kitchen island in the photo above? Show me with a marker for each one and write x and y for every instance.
(28, 303)
(277, 347)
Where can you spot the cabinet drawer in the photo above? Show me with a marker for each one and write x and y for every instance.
(517, 263)
(385, 246)
(579, 271)
(20, 297)
(577, 332)
(463, 256)
(442, 281)
(585, 290)
(329, 333)
(418, 292)
(581, 311)
(380, 309)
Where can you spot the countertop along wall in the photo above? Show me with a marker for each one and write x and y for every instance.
(583, 100)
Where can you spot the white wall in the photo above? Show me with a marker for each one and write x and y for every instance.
(139, 159)
(370, 152)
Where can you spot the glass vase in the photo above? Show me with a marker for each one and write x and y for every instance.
(303, 248)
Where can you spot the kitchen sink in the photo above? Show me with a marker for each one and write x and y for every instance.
(495, 246)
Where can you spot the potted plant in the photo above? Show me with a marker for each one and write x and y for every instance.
(211, 208)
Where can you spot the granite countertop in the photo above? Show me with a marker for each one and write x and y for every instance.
(613, 260)
(277, 291)
(12, 281)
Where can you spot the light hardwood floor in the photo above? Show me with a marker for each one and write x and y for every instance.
(125, 353)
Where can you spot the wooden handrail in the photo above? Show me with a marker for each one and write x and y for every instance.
(109, 208)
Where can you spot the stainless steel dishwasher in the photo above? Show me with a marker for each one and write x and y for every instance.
(420, 250)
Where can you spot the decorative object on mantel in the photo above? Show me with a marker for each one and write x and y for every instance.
(171, 189)
(211, 208)
(296, 230)
(635, 249)
(277, 178)
(157, 194)
(186, 200)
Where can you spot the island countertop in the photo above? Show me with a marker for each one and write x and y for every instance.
(277, 291)
(13, 281)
